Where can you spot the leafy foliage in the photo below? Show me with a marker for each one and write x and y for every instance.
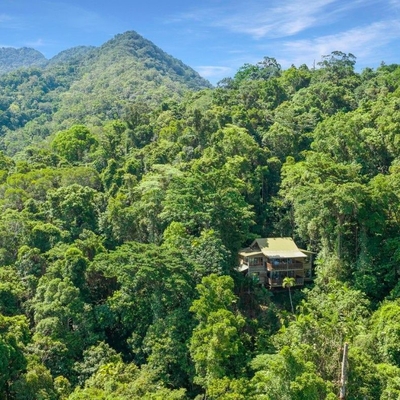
(125, 197)
(11, 59)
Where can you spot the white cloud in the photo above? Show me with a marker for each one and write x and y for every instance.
(214, 73)
(276, 19)
(364, 42)
(285, 19)
(36, 43)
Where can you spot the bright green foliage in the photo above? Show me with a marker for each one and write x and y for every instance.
(211, 201)
(32, 184)
(14, 335)
(328, 202)
(12, 291)
(385, 329)
(389, 375)
(289, 283)
(166, 347)
(125, 382)
(106, 228)
(114, 138)
(64, 325)
(216, 346)
(76, 207)
(14, 232)
(207, 250)
(327, 318)
(287, 376)
(365, 380)
(36, 383)
(74, 144)
(146, 314)
(81, 175)
(93, 358)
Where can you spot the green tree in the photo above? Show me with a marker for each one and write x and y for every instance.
(74, 144)
(35, 383)
(12, 291)
(288, 283)
(93, 358)
(76, 207)
(329, 315)
(216, 344)
(328, 200)
(210, 201)
(44, 236)
(385, 328)
(338, 61)
(14, 335)
(288, 376)
(63, 324)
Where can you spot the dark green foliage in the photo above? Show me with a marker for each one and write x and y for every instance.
(14, 335)
(75, 87)
(134, 191)
(74, 208)
(74, 144)
(11, 59)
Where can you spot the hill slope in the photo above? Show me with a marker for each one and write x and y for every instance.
(11, 59)
(88, 85)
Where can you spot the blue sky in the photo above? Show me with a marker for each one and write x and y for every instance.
(215, 37)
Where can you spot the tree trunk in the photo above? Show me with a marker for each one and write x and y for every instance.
(343, 378)
(290, 298)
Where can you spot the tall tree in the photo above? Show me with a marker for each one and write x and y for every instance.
(216, 345)
(288, 283)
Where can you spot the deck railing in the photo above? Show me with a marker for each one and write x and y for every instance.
(285, 266)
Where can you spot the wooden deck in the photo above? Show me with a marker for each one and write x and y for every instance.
(285, 266)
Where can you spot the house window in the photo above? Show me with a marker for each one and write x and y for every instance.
(255, 261)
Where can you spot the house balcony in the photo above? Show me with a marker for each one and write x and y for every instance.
(285, 266)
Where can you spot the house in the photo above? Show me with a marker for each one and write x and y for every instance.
(273, 259)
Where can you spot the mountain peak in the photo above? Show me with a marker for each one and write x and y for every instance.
(12, 58)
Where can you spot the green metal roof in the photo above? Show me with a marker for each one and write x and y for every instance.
(278, 248)
(250, 253)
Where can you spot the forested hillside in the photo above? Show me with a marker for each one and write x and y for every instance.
(11, 59)
(120, 229)
(88, 85)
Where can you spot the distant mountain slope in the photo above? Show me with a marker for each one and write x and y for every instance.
(11, 58)
(88, 85)
(72, 53)
(132, 44)
(125, 69)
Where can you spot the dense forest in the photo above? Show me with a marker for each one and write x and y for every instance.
(11, 59)
(127, 186)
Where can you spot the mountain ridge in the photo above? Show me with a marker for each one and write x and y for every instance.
(88, 85)
(25, 57)
(12, 58)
